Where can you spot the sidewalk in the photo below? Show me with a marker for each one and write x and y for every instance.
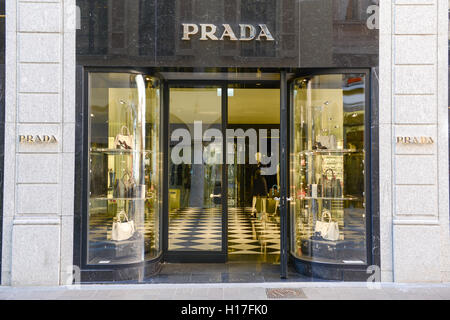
(235, 291)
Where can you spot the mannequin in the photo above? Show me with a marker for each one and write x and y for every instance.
(259, 188)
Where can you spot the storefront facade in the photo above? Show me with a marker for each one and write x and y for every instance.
(135, 110)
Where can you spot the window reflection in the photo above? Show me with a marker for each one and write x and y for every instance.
(327, 176)
(124, 168)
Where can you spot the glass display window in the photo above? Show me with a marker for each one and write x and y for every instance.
(125, 168)
(327, 178)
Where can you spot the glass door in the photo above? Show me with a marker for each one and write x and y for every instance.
(196, 173)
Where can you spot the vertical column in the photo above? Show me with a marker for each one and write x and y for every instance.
(414, 176)
(38, 191)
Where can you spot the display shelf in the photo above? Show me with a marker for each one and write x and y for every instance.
(331, 152)
(346, 198)
(103, 151)
(121, 199)
(354, 261)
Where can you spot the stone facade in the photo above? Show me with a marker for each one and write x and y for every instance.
(415, 240)
(40, 99)
(39, 183)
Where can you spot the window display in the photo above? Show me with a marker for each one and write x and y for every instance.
(327, 178)
(125, 172)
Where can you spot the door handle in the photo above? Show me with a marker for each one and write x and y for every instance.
(215, 195)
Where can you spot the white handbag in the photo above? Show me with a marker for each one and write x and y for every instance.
(124, 140)
(122, 230)
(328, 141)
(329, 230)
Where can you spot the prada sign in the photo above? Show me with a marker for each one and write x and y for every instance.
(415, 140)
(246, 32)
(37, 139)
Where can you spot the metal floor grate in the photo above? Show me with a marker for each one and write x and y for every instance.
(285, 293)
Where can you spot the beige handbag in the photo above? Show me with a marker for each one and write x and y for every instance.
(327, 141)
(329, 230)
(122, 230)
(124, 140)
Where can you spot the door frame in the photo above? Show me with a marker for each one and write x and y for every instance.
(194, 256)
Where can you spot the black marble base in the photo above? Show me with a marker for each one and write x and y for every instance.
(329, 271)
(127, 274)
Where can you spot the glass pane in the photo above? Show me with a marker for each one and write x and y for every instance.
(124, 168)
(195, 169)
(327, 176)
(253, 173)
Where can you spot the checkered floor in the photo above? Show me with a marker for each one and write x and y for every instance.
(196, 229)
(248, 235)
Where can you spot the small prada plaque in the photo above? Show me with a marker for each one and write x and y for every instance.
(37, 139)
(415, 140)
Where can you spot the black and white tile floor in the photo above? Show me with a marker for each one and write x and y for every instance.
(196, 229)
(248, 235)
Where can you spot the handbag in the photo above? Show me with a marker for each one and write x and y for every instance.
(125, 187)
(122, 230)
(328, 142)
(328, 183)
(329, 230)
(331, 187)
(124, 140)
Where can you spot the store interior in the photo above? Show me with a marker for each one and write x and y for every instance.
(195, 218)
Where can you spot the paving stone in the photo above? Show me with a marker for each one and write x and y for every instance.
(226, 292)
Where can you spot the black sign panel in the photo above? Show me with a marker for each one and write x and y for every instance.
(309, 33)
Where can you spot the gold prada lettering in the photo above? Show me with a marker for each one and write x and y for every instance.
(415, 140)
(37, 139)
